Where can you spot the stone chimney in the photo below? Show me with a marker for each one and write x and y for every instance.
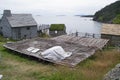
(7, 13)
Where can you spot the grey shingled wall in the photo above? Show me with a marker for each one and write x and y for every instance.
(113, 39)
(24, 33)
(5, 28)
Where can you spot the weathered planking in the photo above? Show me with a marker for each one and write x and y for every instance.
(91, 42)
(81, 48)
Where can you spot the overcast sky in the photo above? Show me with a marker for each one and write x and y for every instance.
(57, 7)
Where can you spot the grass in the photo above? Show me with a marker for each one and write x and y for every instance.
(17, 67)
(44, 35)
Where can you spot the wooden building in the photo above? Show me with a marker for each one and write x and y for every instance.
(18, 26)
(111, 32)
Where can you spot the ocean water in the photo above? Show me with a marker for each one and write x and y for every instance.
(73, 23)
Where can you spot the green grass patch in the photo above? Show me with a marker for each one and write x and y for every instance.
(2, 39)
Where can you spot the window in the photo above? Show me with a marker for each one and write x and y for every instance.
(25, 36)
(28, 28)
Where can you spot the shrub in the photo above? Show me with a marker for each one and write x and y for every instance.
(116, 20)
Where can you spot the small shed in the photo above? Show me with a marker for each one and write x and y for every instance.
(57, 30)
(111, 32)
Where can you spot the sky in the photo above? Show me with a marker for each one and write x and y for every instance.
(57, 7)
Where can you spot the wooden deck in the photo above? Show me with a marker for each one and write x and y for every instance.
(81, 48)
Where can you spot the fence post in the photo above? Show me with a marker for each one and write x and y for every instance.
(76, 34)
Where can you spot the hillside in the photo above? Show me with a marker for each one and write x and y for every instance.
(109, 14)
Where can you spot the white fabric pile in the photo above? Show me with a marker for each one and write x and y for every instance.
(56, 53)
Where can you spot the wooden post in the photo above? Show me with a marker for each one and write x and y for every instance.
(76, 34)
(93, 35)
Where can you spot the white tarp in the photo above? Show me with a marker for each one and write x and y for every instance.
(56, 53)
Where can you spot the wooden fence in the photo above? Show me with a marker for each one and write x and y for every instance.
(86, 35)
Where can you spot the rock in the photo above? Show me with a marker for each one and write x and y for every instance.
(114, 74)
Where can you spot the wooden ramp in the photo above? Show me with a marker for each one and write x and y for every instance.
(79, 52)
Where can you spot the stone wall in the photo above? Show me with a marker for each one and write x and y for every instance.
(56, 33)
(114, 74)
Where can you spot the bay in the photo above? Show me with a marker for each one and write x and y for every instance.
(73, 23)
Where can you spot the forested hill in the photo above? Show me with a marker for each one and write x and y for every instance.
(109, 14)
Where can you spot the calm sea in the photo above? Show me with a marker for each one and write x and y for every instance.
(73, 23)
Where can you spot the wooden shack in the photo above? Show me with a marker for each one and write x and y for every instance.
(111, 32)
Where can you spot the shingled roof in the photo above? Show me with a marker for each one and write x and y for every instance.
(21, 20)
